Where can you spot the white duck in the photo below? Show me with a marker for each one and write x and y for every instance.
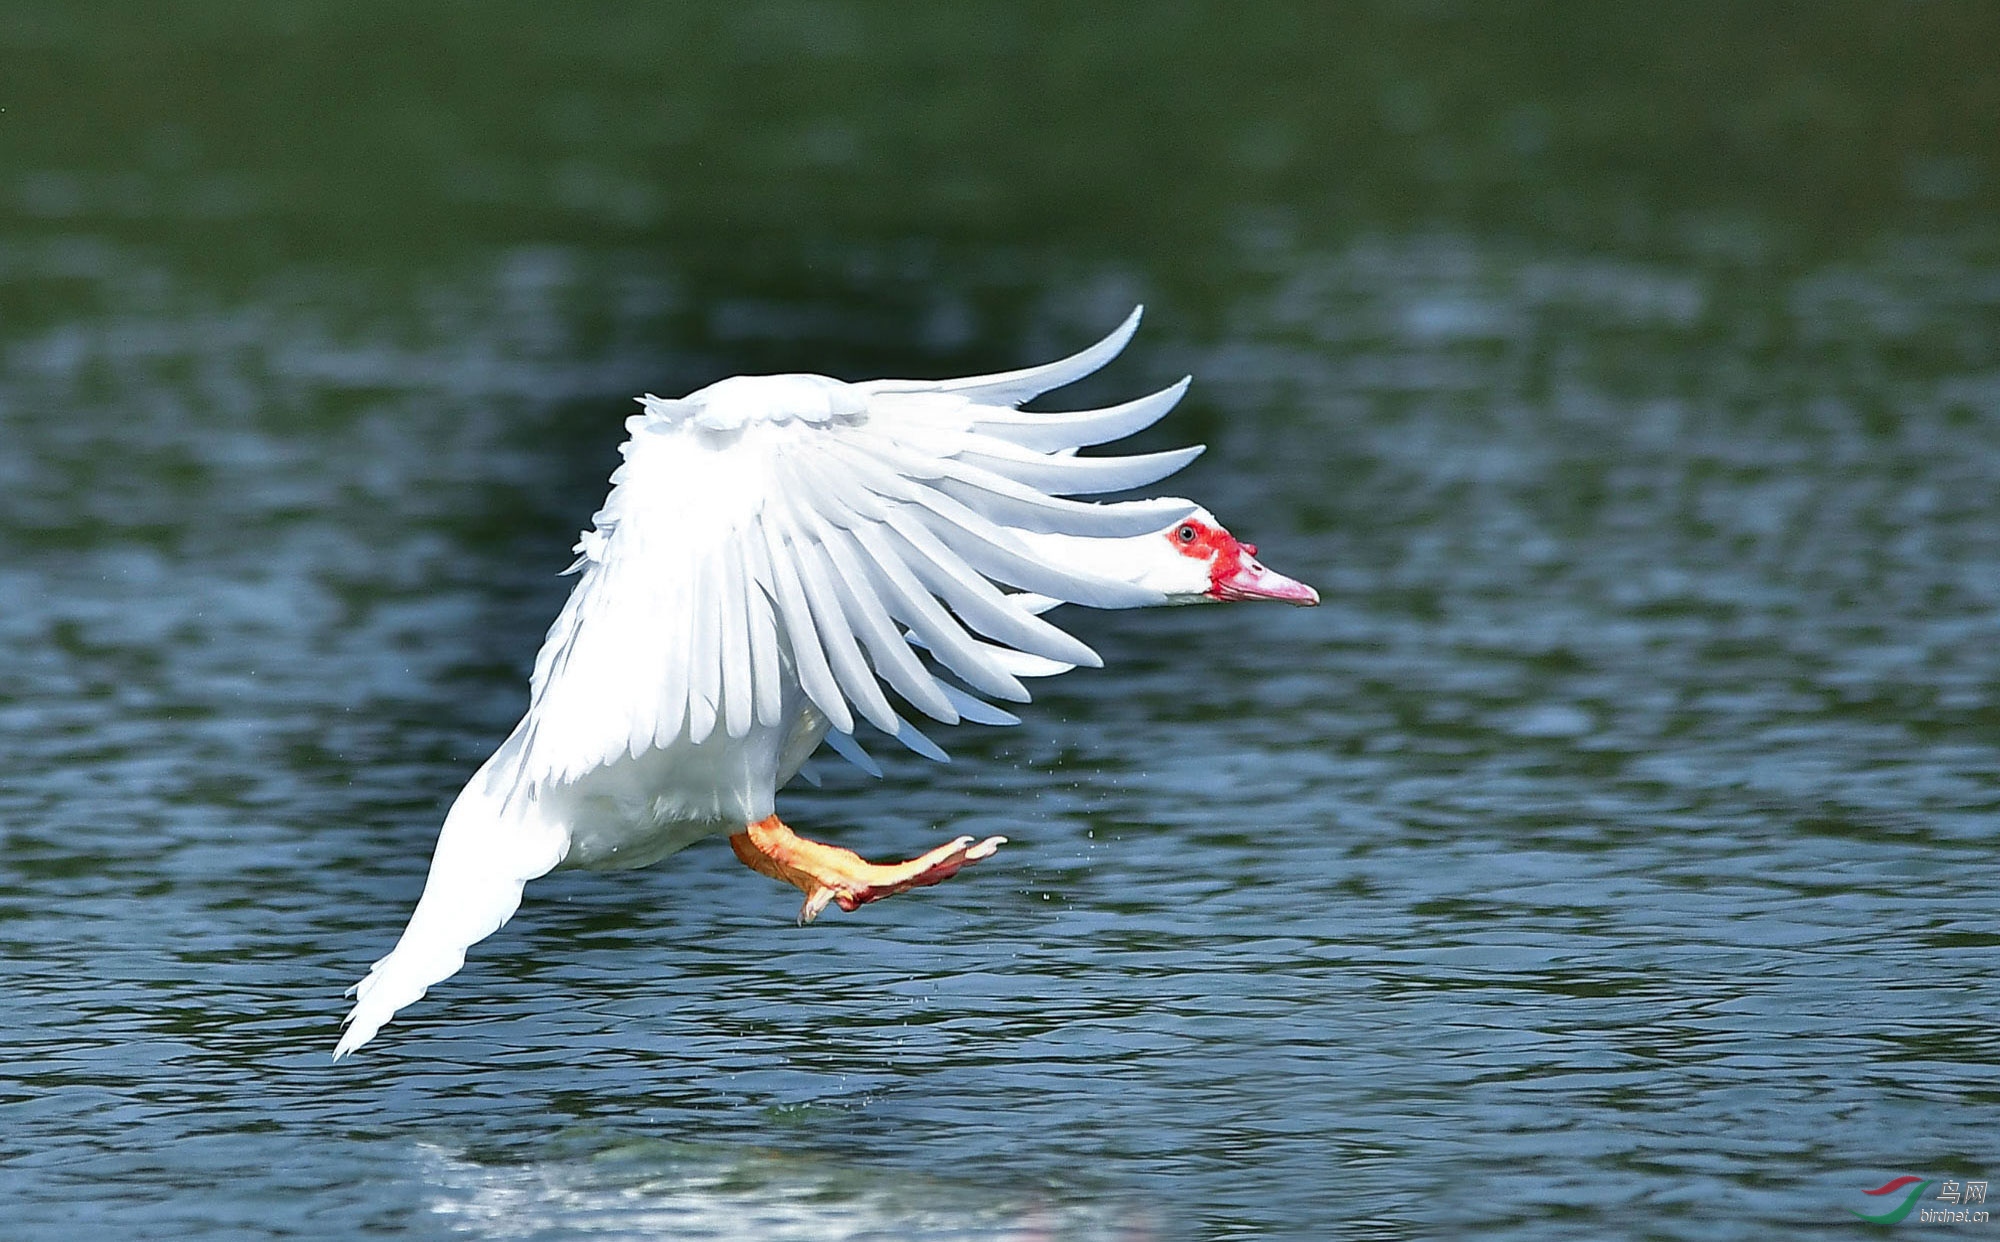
(774, 549)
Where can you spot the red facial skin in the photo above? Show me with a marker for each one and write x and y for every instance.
(1222, 550)
(1233, 569)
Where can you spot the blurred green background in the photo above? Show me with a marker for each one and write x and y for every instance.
(759, 143)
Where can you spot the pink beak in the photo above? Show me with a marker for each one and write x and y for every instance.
(1252, 581)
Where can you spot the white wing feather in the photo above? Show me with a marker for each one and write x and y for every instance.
(798, 526)
(1011, 388)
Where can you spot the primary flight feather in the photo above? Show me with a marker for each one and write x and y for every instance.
(780, 554)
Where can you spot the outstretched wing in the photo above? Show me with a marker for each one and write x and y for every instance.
(795, 526)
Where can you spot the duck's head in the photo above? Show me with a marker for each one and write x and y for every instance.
(1197, 561)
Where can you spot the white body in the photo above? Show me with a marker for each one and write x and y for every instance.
(774, 553)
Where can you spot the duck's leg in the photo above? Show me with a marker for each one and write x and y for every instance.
(828, 873)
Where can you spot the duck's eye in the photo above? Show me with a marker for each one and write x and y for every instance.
(1185, 534)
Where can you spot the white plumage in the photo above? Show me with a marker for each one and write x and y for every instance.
(776, 555)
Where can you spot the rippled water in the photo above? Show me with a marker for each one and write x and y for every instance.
(1612, 853)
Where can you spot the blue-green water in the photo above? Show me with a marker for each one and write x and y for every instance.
(1611, 855)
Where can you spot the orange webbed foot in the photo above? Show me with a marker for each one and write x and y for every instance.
(828, 874)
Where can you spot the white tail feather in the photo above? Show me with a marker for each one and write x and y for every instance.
(489, 848)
